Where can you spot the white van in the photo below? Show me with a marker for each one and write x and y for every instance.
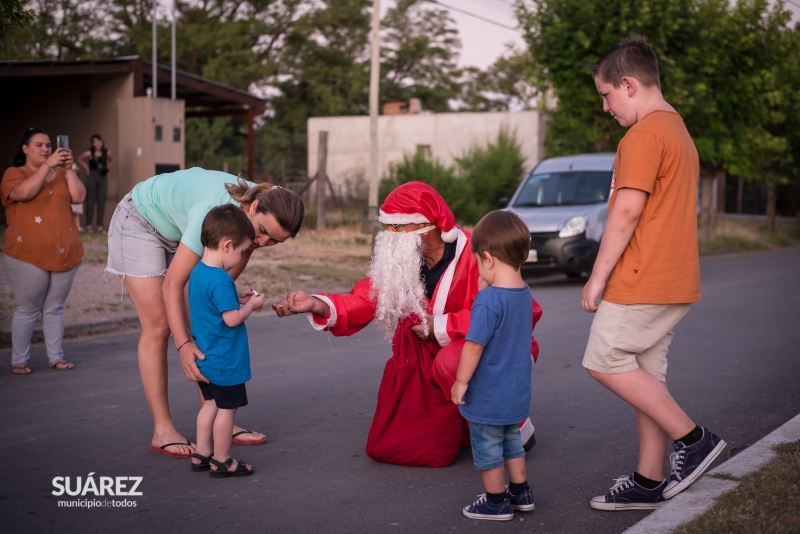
(564, 202)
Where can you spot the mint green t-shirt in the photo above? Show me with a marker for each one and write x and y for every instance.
(177, 202)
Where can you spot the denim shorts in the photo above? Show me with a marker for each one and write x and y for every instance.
(135, 248)
(492, 445)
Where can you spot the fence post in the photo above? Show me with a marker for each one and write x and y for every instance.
(321, 177)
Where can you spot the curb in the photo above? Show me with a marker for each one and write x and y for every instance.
(701, 495)
(80, 330)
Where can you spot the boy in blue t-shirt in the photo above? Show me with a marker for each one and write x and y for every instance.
(493, 383)
(217, 315)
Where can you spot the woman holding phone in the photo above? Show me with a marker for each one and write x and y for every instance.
(42, 250)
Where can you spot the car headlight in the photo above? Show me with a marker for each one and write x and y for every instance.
(574, 226)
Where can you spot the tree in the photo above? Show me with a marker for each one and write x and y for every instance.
(507, 85)
(722, 96)
(13, 17)
(419, 55)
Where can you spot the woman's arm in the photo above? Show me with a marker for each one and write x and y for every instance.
(77, 191)
(109, 159)
(83, 161)
(175, 304)
(30, 187)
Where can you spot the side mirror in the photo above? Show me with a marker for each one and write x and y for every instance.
(503, 202)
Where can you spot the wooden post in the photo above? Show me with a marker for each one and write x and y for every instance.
(251, 155)
(322, 161)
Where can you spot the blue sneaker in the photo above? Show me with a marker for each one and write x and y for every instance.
(483, 509)
(688, 463)
(628, 495)
(522, 502)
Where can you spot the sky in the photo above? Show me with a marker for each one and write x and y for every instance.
(483, 42)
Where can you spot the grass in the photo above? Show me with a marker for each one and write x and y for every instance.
(765, 502)
(742, 235)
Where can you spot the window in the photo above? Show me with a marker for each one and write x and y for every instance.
(176, 134)
(159, 132)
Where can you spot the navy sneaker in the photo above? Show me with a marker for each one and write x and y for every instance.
(688, 463)
(522, 502)
(483, 509)
(628, 495)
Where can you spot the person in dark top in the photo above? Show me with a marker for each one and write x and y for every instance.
(96, 162)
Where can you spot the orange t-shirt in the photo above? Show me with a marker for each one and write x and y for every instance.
(660, 265)
(41, 231)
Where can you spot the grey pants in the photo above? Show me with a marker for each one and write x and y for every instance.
(37, 291)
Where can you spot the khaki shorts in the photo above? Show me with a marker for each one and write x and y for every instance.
(627, 337)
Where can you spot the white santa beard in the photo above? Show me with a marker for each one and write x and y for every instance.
(397, 288)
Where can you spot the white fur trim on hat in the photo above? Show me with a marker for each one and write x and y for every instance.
(450, 236)
(402, 218)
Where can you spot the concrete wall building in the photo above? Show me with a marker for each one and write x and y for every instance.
(113, 97)
(444, 136)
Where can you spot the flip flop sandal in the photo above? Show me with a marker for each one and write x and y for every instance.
(21, 370)
(222, 469)
(163, 450)
(237, 441)
(62, 365)
(203, 464)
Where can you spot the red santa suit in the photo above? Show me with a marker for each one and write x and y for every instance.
(415, 422)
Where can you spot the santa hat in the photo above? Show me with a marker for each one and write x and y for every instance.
(418, 202)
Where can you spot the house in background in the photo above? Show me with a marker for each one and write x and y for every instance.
(113, 97)
(404, 130)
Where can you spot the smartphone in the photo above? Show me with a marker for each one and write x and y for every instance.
(62, 141)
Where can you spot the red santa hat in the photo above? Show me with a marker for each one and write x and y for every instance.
(418, 202)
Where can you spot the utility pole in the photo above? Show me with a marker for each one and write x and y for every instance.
(173, 49)
(374, 78)
(155, 56)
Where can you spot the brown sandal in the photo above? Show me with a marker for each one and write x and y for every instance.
(21, 369)
(62, 365)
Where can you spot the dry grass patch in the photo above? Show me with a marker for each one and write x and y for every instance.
(741, 235)
(765, 502)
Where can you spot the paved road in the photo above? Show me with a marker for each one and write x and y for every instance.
(734, 366)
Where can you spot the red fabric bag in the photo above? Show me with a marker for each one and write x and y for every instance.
(414, 423)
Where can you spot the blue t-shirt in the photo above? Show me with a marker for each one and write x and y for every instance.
(211, 292)
(176, 203)
(499, 391)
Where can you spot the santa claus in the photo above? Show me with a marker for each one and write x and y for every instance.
(420, 287)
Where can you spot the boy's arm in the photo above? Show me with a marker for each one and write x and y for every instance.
(621, 223)
(236, 317)
(470, 356)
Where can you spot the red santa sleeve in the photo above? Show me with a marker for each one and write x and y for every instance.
(349, 312)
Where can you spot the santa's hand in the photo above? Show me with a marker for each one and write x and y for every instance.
(419, 331)
(457, 393)
(295, 302)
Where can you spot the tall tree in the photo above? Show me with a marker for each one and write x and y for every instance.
(419, 55)
(509, 84)
(720, 96)
(13, 17)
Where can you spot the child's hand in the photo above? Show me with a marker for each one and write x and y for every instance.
(257, 300)
(457, 393)
(245, 295)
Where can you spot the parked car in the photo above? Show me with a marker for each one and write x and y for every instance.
(564, 202)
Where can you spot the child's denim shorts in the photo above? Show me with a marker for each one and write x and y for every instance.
(492, 445)
(135, 248)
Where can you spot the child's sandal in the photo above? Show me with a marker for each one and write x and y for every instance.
(222, 468)
(203, 463)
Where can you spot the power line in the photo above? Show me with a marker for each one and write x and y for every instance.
(795, 5)
(474, 15)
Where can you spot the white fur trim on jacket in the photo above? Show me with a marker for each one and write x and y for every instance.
(443, 290)
(331, 319)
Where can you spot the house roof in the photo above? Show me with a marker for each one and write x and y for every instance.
(201, 95)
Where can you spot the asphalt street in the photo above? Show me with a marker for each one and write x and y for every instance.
(734, 367)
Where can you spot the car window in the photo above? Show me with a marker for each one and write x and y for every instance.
(565, 189)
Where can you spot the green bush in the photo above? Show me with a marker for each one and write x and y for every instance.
(481, 177)
(493, 172)
(456, 192)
